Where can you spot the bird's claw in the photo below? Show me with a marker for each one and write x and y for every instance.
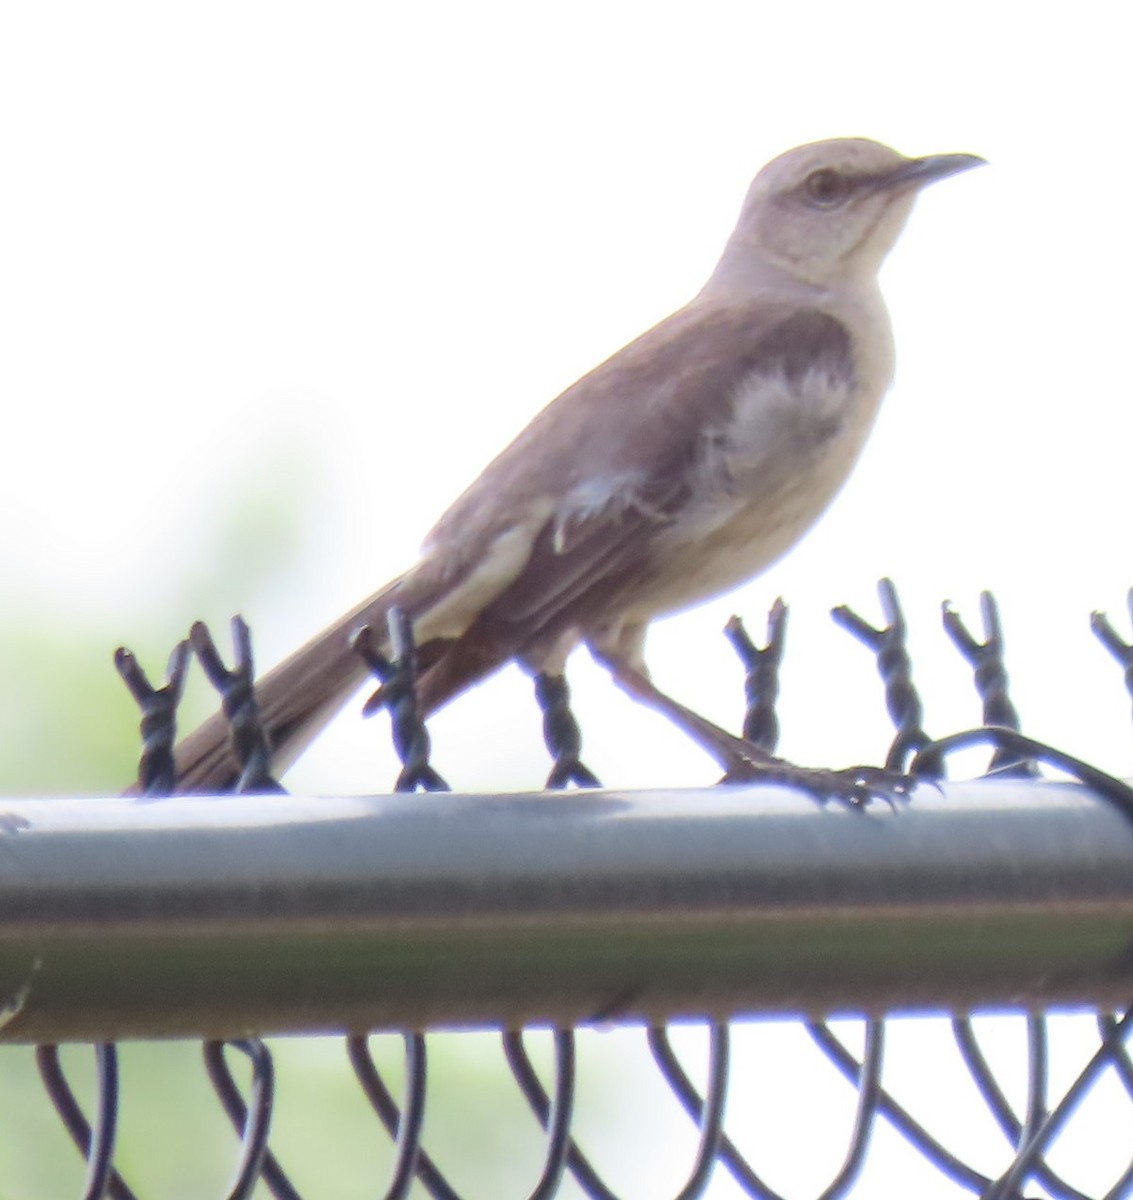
(854, 787)
(875, 783)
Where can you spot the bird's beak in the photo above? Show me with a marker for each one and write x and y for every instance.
(922, 171)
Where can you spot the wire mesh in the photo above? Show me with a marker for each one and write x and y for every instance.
(1028, 1131)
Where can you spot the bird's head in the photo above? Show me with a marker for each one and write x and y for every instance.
(831, 211)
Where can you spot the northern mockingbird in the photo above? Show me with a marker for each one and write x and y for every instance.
(677, 469)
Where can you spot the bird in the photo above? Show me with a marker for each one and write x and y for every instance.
(682, 466)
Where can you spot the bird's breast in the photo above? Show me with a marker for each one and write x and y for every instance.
(763, 477)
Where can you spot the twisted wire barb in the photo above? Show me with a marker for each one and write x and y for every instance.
(761, 679)
(1121, 650)
(990, 677)
(561, 734)
(156, 769)
(398, 693)
(238, 699)
(902, 700)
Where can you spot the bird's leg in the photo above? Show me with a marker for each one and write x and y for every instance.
(744, 761)
(734, 754)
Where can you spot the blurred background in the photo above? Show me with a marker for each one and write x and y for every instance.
(276, 280)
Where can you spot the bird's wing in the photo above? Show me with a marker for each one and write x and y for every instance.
(616, 460)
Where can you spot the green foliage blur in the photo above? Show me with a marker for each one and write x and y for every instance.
(174, 1141)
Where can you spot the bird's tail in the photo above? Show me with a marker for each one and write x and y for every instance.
(296, 700)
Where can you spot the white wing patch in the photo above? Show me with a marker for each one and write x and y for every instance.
(762, 481)
(774, 417)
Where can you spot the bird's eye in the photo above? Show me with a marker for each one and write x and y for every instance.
(826, 187)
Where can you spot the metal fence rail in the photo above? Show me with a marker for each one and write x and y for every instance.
(209, 917)
(229, 918)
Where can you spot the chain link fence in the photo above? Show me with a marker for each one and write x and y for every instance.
(233, 919)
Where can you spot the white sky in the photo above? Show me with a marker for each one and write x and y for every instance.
(352, 248)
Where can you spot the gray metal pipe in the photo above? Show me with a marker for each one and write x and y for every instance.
(219, 917)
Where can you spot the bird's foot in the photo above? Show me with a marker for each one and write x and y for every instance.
(745, 762)
(854, 787)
